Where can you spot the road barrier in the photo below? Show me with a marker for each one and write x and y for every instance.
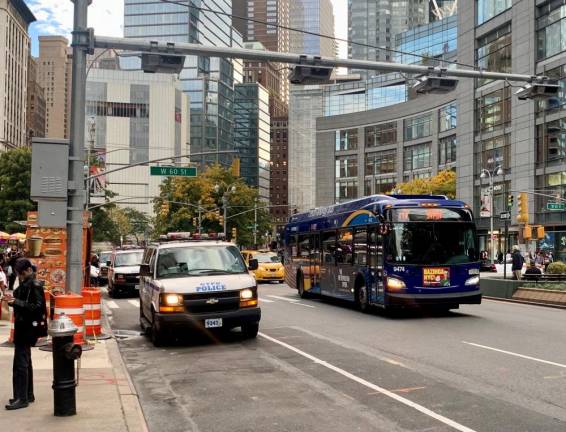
(92, 312)
(72, 306)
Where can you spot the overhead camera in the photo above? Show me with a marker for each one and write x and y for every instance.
(435, 84)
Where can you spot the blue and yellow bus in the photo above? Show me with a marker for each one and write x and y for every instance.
(387, 251)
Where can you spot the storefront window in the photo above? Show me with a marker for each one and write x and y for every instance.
(494, 52)
(551, 29)
(494, 110)
(487, 9)
(347, 140)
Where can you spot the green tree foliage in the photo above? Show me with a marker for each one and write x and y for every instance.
(139, 223)
(15, 182)
(557, 267)
(444, 183)
(175, 191)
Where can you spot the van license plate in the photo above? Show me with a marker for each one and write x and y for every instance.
(212, 323)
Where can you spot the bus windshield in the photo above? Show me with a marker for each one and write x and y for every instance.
(432, 243)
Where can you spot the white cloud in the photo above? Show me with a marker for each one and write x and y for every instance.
(56, 17)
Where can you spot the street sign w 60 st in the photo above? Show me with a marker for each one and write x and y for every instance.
(173, 171)
(555, 206)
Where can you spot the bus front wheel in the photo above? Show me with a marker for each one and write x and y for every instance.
(301, 286)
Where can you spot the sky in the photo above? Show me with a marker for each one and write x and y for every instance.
(55, 17)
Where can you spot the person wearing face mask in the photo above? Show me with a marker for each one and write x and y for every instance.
(30, 323)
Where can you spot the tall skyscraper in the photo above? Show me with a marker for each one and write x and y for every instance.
(373, 25)
(316, 16)
(209, 82)
(54, 68)
(35, 115)
(15, 17)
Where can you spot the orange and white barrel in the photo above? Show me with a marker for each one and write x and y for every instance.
(92, 307)
(72, 306)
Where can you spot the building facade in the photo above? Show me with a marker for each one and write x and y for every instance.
(133, 117)
(36, 109)
(15, 18)
(525, 139)
(252, 135)
(54, 71)
(209, 82)
(279, 169)
(316, 16)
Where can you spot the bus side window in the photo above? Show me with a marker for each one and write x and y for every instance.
(304, 246)
(294, 251)
(328, 247)
(375, 248)
(344, 247)
(360, 246)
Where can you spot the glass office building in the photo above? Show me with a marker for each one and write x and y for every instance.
(252, 135)
(315, 16)
(209, 82)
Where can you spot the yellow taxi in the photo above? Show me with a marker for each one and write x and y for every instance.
(270, 266)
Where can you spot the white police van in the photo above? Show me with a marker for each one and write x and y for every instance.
(196, 285)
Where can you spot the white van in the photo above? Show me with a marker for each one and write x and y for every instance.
(196, 285)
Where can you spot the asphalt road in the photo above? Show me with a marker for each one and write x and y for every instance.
(322, 366)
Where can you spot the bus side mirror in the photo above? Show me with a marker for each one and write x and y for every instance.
(145, 270)
(253, 264)
(107, 263)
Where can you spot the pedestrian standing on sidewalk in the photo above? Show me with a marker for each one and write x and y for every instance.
(517, 263)
(11, 263)
(30, 323)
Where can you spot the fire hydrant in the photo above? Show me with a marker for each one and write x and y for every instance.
(65, 352)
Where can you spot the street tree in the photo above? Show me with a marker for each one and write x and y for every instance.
(15, 182)
(176, 206)
(139, 223)
(444, 183)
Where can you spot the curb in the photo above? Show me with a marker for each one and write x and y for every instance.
(548, 305)
(129, 399)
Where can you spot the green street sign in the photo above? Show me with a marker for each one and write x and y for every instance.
(173, 171)
(555, 206)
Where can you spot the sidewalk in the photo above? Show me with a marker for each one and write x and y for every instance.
(106, 398)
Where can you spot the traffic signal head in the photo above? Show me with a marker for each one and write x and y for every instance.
(523, 208)
(221, 220)
(510, 199)
(164, 209)
(540, 233)
(527, 232)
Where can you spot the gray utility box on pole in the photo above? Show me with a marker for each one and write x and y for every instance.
(49, 181)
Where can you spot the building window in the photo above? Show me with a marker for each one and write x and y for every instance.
(447, 150)
(557, 103)
(494, 152)
(447, 117)
(417, 157)
(381, 163)
(487, 9)
(551, 29)
(551, 141)
(346, 190)
(382, 134)
(494, 110)
(494, 52)
(347, 140)
(347, 167)
(418, 127)
(383, 185)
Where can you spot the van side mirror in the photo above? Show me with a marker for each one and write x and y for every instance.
(145, 270)
(253, 264)
(107, 263)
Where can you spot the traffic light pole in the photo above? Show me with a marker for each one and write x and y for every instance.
(506, 248)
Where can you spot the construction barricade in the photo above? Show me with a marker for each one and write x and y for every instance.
(92, 304)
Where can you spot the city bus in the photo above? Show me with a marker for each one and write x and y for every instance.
(389, 251)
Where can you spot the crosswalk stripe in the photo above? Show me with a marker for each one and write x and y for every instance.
(112, 304)
(135, 303)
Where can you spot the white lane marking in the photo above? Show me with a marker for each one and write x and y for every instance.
(292, 301)
(135, 303)
(372, 386)
(112, 304)
(261, 299)
(516, 354)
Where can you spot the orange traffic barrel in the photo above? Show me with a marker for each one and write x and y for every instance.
(72, 306)
(92, 307)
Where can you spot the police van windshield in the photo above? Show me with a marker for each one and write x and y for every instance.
(128, 259)
(199, 261)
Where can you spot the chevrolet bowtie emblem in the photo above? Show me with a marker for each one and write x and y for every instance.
(212, 301)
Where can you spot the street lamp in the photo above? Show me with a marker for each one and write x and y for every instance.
(230, 189)
(497, 171)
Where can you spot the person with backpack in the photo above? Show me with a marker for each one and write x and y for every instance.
(517, 263)
(30, 323)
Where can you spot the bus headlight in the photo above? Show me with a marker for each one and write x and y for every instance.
(395, 284)
(473, 281)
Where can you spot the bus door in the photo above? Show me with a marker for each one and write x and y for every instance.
(375, 264)
(346, 271)
(315, 262)
(328, 269)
